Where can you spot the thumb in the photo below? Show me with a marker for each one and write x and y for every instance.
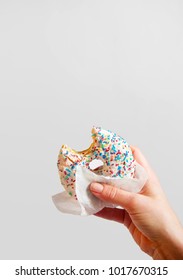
(114, 195)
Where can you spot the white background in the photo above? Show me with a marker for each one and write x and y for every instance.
(66, 65)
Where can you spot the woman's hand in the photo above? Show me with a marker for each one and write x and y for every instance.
(147, 215)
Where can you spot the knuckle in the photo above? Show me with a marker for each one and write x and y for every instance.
(132, 202)
(111, 192)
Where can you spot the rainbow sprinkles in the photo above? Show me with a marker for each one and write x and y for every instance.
(112, 150)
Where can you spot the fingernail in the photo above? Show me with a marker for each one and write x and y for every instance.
(96, 187)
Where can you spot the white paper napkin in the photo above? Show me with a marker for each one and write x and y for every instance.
(87, 203)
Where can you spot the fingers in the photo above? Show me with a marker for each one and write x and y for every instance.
(152, 186)
(115, 214)
(128, 200)
(112, 214)
(113, 195)
(140, 158)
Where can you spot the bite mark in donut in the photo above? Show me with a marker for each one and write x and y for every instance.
(111, 149)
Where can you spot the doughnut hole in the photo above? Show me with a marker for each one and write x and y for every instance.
(96, 165)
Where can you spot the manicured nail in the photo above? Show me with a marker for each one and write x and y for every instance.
(96, 187)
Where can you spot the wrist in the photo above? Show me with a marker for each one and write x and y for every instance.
(171, 248)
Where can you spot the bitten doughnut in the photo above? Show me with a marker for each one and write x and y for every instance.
(111, 149)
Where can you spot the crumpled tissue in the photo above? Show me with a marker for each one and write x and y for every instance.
(87, 203)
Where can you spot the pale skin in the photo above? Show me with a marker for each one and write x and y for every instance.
(147, 215)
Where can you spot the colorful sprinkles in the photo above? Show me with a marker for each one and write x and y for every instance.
(108, 147)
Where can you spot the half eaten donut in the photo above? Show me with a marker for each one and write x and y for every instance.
(111, 152)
